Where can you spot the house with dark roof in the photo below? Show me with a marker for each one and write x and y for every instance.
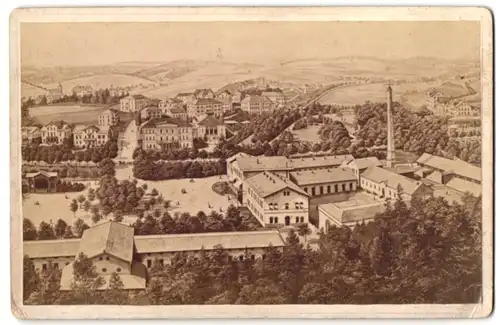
(275, 201)
(41, 181)
(359, 165)
(150, 112)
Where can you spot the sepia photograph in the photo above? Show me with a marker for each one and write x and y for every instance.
(179, 158)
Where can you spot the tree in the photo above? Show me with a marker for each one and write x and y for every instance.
(85, 282)
(303, 230)
(73, 207)
(81, 198)
(68, 233)
(86, 206)
(116, 295)
(45, 231)
(60, 228)
(107, 167)
(79, 227)
(29, 230)
(154, 192)
(30, 277)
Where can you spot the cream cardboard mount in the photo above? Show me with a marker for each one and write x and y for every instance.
(251, 162)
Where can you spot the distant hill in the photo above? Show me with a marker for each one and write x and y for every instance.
(172, 77)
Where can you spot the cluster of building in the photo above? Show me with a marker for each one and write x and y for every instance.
(453, 99)
(88, 135)
(113, 248)
(205, 101)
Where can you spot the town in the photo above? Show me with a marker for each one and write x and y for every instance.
(309, 193)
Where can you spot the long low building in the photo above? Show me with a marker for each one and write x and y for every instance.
(347, 213)
(325, 181)
(113, 248)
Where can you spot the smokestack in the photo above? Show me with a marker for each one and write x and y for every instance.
(390, 130)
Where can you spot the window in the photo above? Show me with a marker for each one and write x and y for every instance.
(286, 206)
(56, 266)
(297, 219)
(321, 190)
(241, 257)
(118, 270)
(104, 269)
(161, 262)
(305, 189)
(107, 258)
(148, 262)
(270, 219)
(336, 187)
(275, 219)
(100, 258)
(44, 266)
(252, 257)
(328, 189)
(263, 256)
(302, 219)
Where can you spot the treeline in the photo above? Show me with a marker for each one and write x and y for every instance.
(426, 252)
(156, 223)
(65, 152)
(100, 96)
(148, 169)
(415, 132)
(49, 230)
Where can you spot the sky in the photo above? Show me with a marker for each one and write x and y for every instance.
(80, 44)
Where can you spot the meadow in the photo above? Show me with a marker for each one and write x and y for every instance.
(70, 113)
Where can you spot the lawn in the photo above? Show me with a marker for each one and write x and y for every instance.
(70, 113)
(309, 134)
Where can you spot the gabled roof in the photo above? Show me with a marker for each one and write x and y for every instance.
(340, 214)
(51, 248)
(322, 176)
(266, 183)
(29, 129)
(151, 108)
(43, 173)
(220, 92)
(59, 124)
(110, 237)
(208, 241)
(457, 166)
(164, 120)
(210, 120)
(381, 175)
(138, 96)
(319, 161)
(184, 94)
(252, 163)
(362, 163)
(272, 94)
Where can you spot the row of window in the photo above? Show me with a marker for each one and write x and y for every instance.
(328, 189)
(298, 205)
(275, 220)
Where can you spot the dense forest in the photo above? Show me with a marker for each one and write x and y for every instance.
(415, 132)
(427, 251)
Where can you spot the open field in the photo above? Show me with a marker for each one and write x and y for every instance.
(198, 197)
(53, 206)
(309, 134)
(69, 113)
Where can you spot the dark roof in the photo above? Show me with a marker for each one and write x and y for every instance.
(138, 96)
(210, 120)
(183, 94)
(164, 120)
(202, 91)
(110, 237)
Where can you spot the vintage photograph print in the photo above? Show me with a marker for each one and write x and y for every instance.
(251, 162)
